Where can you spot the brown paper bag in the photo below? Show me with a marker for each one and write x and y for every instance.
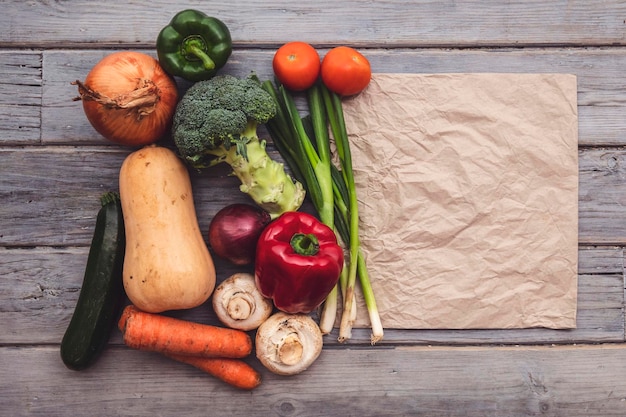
(468, 198)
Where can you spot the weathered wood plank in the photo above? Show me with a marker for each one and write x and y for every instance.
(63, 184)
(53, 186)
(51, 194)
(20, 97)
(54, 167)
(601, 97)
(41, 286)
(601, 206)
(579, 381)
(386, 23)
(605, 260)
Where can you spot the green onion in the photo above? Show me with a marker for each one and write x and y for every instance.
(334, 109)
(330, 188)
(289, 133)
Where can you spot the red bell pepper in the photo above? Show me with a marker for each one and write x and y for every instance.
(298, 262)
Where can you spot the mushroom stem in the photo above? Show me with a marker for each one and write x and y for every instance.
(288, 344)
(290, 352)
(239, 304)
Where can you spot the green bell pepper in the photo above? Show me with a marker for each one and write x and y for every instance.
(193, 45)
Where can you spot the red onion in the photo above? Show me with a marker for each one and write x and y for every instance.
(235, 230)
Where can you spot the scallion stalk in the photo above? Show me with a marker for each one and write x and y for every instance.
(337, 125)
(334, 109)
(323, 163)
(331, 190)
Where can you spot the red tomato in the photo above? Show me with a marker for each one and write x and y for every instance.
(296, 65)
(345, 71)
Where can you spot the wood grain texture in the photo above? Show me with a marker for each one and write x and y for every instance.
(386, 23)
(579, 381)
(41, 287)
(54, 167)
(64, 182)
(601, 203)
(601, 103)
(20, 97)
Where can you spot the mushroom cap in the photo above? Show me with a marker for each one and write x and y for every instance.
(287, 344)
(238, 303)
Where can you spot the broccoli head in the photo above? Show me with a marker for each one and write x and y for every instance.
(216, 121)
(220, 112)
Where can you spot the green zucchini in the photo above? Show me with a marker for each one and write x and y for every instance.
(102, 293)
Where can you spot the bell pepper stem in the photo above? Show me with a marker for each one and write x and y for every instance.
(305, 244)
(194, 48)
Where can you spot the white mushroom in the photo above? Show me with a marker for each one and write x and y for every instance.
(238, 303)
(288, 344)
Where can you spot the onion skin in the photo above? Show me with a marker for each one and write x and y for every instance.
(129, 99)
(235, 230)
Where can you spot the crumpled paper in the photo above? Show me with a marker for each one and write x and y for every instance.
(468, 199)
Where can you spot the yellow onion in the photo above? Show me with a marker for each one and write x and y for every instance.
(128, 98)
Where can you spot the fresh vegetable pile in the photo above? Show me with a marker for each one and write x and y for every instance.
(148, 244)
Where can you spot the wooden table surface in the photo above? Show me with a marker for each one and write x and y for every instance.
(54, 166)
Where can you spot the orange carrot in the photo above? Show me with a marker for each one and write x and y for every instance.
(158, 333)
(232, 371)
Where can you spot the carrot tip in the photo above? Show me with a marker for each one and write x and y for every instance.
(234, 372)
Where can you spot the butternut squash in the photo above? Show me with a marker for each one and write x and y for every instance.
(167, 264)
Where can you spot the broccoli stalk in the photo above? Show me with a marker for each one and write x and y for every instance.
(263, 179)
(216, 121)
